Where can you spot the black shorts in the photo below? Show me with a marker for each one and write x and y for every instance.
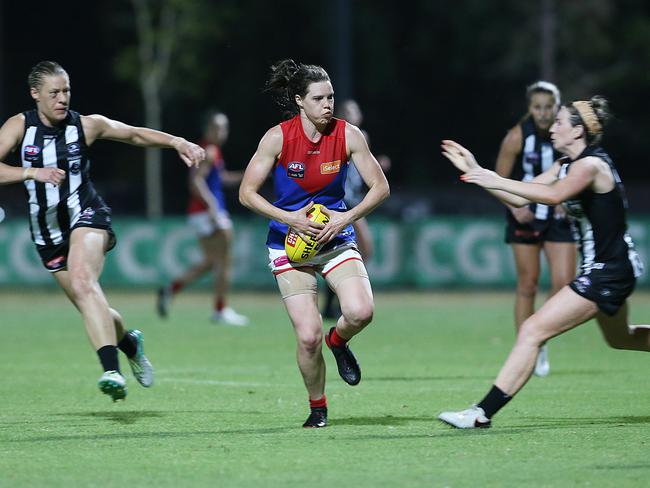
(538, 231)
(605, 288)
(55, 257)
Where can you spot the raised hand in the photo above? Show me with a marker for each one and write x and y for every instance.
(460, 157)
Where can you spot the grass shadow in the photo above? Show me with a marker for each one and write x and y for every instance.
(388, 420)
(121, 417)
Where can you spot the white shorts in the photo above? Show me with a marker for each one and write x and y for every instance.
(204, 225)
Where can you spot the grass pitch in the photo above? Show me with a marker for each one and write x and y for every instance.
(228, 403)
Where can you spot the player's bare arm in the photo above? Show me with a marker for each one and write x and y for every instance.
(11, 134)
(581, 176)
(258, 169)
(508, 153)
(100, 127)
(200, 189)
(373, 177)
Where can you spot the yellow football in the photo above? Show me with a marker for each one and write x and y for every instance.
(296, 248)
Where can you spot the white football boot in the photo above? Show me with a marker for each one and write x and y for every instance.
(113, 384)
(542, 366)
(472, 418)
(140, 365)
(228, 316)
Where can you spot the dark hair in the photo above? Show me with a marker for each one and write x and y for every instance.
(542, 86)
(598, 108)
(41, 70)
(289, 79)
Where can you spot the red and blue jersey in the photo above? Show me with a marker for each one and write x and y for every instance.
(310, 171)
(213, 180)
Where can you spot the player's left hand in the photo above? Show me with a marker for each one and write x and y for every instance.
(482, 177)
(190, 153)
(460, 157)
(338, 222)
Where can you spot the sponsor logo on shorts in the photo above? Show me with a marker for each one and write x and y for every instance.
(56, 263)
(313, 151)
(296, 169)
(86, 216)
(281, 261)
(330, 168)
(606, 292)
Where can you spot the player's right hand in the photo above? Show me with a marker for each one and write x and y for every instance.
(304, 227)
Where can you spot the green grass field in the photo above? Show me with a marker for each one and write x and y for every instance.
(228, 403)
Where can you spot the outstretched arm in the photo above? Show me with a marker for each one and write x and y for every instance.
(583, 174)
(11, 134)
(100, 127)
(258, 169)
(464, 160)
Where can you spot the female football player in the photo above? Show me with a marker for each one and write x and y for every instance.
(71, 223)
(525, 153)
(586, 180)
(308, 156)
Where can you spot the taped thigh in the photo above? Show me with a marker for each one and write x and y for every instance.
(349, 268)
(296, 282)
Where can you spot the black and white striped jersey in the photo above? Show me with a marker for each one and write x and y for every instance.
(537, 156)
(53, 210)
(601, 221)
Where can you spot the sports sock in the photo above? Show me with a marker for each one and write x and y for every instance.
(219, 304)
(176, 286)
(336, 340)
(108, 358)
(128, 345)
(320, 403)
(494, 401)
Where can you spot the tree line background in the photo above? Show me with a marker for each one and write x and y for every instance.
(421, 71)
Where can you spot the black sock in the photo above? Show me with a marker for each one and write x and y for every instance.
(128, 345)
(108, 358)
(494, 401)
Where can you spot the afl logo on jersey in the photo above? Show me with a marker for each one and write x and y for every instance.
(73, 148)
(31, 153)
(296, 169)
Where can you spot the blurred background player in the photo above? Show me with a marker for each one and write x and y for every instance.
(308, 156)
(525, 153)
(70, 224)
(355, 190)
(208, 216)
